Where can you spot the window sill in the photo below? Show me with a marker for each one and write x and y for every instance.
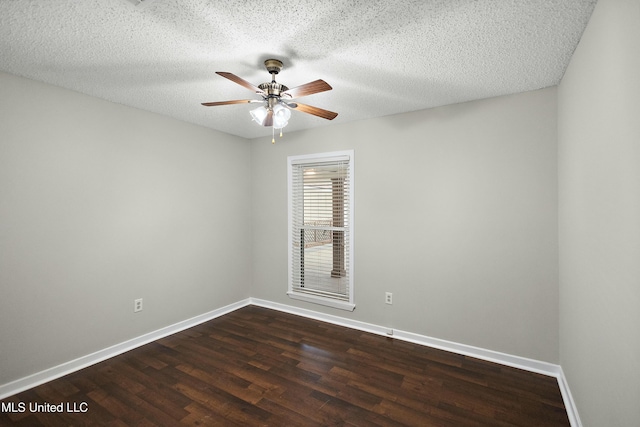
(342, 305)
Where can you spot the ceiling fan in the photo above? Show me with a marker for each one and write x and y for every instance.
(276, 102)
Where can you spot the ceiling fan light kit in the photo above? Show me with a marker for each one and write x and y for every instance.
(275, 110)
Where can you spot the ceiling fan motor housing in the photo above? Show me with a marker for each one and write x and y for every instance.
(273, 88)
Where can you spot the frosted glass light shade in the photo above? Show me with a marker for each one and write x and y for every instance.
(281, 116)
(259, 114)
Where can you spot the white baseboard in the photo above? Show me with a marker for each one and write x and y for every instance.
(524, 363)
(519, 362)
(63, 369)
(569, 404)
(479, 353)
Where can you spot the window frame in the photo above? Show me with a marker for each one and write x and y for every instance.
(319, 158)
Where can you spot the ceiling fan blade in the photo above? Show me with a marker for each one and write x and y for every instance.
(235, 101)
(268, 121)
(240, 81)
(325, 114)
(308, 89)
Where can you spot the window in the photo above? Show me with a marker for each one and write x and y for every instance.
(321, 228)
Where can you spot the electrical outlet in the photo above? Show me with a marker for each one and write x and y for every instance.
(137, 305)
(388, 298)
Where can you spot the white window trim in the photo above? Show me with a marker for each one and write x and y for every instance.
(291, 160)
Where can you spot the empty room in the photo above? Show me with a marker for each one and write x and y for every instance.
(360, 213)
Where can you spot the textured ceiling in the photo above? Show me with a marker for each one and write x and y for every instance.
(381, 57)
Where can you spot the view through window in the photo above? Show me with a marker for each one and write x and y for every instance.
(320, 205)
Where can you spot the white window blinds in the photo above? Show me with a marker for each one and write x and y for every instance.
(320, 220)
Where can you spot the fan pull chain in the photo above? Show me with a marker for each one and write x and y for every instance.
(273, 135)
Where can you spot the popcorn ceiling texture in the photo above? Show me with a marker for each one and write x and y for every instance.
(381, 57)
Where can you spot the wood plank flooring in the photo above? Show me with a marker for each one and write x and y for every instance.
(260, 367)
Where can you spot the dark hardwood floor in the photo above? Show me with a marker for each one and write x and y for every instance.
(259, 367)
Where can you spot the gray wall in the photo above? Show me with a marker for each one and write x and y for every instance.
(101, 204)
(455, 213)
(599, 181)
